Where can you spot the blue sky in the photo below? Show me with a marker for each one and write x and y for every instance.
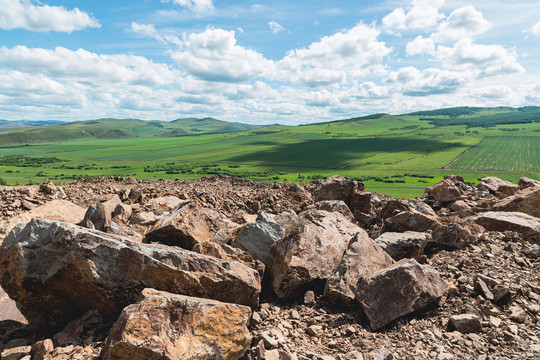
(264, 62)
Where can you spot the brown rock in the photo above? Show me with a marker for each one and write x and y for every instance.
(191, 224)
(169, 326)
(498, 187)
(398, 290)
(8, 309)
(122, 212)
(409, 244)
(412, 221)
(455, 235)
(145, 218)
(310, 250)
(16, 353)
(466, 323)
(48, 187)
(526, 201)
(444, 192)
(56, 272)
(460, 205)
(42, 349)
(98, 217)
(339, 188)
(526, 182)
(164, 204)
(228, 253)
(362, 258)
(526, 225)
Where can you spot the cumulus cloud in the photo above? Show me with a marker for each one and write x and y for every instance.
(23, 14)
(483, 60)
(535, 30)
(463, 22)
(198, 6)
(420, 45)
(413, 82)
(213, 55)
(86, 66)
(421, 14)
(275, 27)
(353, 53)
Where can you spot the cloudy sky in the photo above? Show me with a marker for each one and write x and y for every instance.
(262, 62)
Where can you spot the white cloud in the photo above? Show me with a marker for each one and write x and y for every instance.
(350, 54)
(214, 56)
(420, 45)
(535, 30)
(275, 27)
(413, 82)
(463, 22)
(22, 14)
(85, 66)
(421, 14)
(198, 6)
(483, 60)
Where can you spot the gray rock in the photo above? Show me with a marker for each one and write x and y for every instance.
(409, 244)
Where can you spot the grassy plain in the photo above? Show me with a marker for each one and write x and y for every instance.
(399, 155)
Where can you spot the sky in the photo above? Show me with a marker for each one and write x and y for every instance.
(264, 62)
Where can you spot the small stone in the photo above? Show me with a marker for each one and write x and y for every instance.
(494, 321)
(16, 353)
(42, 349)
(309, 298)
(255, 319)
(466, 323)
(518, 314)
(314, 330)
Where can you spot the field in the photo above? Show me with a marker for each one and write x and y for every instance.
(502, 153)
(399, 155)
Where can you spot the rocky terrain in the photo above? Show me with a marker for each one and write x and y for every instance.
(227, 268)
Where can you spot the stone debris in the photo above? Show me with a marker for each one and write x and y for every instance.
(329, 290)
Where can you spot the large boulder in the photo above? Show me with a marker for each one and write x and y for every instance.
(455, 235)
(498, 187)
(412, 221)
(191, 224)
(167, 326)
(362, 258)
(528, 226)
(339, 188)
(409, 244)
(526, 182)
(56, 210)
(310, 250)
(56, 272)
(398, 290)
(444, 192)
(256, 238)
(526, 201)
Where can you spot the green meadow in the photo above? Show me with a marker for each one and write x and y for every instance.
(398, 155)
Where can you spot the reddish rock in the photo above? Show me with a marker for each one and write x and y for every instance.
(8, 309)
(412, 221)
(398, 290)
(526, 225)
(48, 187)
(56, 272)
(362, 258)
(526, 182)
(409, 244)
(191, 224)
(444, 192)
(498, 187)
(466, 323)
(169, 327)
(526, 201)
(455, 235)
(310, 251)
(339, 188)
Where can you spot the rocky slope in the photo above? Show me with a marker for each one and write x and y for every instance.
(227, 268)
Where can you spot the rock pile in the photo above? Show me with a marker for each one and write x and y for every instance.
(226, 268)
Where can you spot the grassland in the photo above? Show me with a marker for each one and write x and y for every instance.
(399, 155)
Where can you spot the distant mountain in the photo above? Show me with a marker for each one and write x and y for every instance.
(6, 124)
(116, 128)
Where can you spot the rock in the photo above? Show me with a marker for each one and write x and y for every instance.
(526, 225)
(98, 217)
(164, 204)
(444, 192)
(459, 205)
(74, 332)
(420, 206)
(526, 182)
(455, 235)
(56, 210)
(398, 290)
(42, 349)
(409, 244)
(48, 187)
(332, 206)
(517, 314)
(122, 212)
(56, 272)
(8, 309)
(309, 298)
(339, 188)
(191, 224)
(309, 252)
(362, 258)
(167, 326)
(412, 221)
(466, 323)
(526, 201)
(498, 187)
(257, 238)
(144, 218)
(16, 353)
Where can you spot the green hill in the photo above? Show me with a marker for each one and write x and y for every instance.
(117, 129)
